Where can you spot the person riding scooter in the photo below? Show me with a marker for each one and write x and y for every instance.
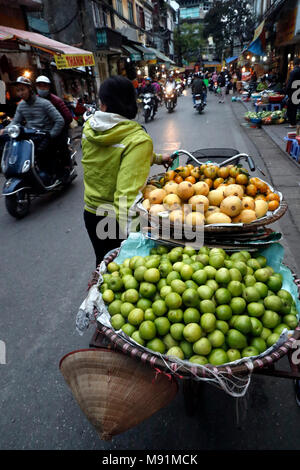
(43, 85)
(199, 88)
(150, 88)
(40, 114)
(171, 84)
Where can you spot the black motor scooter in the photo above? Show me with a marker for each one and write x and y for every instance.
(24, 179)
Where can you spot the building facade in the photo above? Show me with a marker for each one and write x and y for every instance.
(278, 24)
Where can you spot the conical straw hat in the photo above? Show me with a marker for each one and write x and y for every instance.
(114, 391)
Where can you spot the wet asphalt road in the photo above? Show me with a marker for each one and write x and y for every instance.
(46, 262)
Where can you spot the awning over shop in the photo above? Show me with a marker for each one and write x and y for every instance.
(162, 57)
(148, 53)
(231, 59)
(66, 56)
(179, 69)
(134, 55)
(212, 64)
(257, 44)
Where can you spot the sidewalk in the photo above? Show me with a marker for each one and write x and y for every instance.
(282, 172)
(276, 132)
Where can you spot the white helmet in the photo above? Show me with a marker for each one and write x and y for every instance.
(23, 81)
(43, 79)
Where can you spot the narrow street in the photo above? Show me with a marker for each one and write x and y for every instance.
(47, 261)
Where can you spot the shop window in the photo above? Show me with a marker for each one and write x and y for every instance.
(119, 7)
(97, 15)
(101, 38)
(140, 17)
(130, 11)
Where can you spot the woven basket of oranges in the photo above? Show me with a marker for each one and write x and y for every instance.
(216, 198)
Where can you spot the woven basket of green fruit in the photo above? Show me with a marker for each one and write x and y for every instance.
(199, 314)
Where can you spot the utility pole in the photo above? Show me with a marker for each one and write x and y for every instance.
(178, 44)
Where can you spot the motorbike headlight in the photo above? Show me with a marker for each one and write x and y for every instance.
(13, 131)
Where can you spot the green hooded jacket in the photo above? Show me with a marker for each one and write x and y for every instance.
(117, 156)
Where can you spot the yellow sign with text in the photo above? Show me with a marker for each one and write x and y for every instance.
(70, 61)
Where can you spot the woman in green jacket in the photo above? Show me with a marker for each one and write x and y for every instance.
(117, 156)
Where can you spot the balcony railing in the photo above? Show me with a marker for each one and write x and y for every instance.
(107, 38)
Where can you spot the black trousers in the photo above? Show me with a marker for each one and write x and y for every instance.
(101, 246)
(292, 112)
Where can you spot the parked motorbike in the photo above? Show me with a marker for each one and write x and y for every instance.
(170, 98)
(148, 105)
(199, 103)
(24, 180)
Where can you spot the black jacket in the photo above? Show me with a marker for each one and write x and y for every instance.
(221, 80)
(294, 75)
(148, 89)
(198, 86)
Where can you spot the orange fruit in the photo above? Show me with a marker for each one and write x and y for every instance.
(253, 180)
(202, 168)
(230, 180)
(273, 205)
(234, 171)
(217, 182)
(209, 181)
(223, 172)
(251, 190)
(272, 197)
(211, 171)
(242, 179)
(178, 179)
(191, 179)
(170, 175)
(260, 196)
(183, 171)
(195, 172)
(261, 186)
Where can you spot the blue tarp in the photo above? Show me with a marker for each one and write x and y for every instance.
(231, 59)
(256, 47)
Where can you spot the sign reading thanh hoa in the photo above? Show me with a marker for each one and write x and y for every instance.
(69, 61)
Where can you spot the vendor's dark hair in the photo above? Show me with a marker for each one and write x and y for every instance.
(119, 95)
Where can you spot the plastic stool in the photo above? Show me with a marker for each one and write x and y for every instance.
(275, 106)
(295, 150)
(288, 144)
(261, 107)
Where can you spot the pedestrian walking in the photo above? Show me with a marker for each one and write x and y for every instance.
(117, 156)
(222, 83)
(291, 92)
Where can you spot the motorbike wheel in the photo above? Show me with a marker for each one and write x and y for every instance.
(147, 115)
(18, 205)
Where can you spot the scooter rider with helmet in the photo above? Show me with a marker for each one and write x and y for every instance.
(43, 86)
(170, 83)
(199, 88)
(149, 88)
(40, 114)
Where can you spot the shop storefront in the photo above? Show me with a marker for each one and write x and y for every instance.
(31, 54)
